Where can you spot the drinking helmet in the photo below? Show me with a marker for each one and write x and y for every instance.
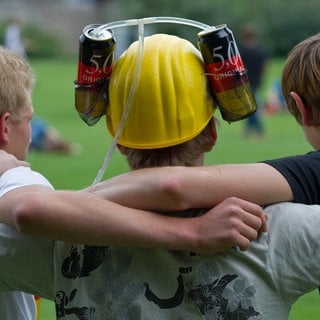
(170, 104)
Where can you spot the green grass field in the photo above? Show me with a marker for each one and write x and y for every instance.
(54, 100)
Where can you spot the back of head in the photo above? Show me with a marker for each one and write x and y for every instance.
(170, 105)
(16, 82)
(301, 74)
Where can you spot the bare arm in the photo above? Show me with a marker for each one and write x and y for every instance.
(178, 188)
(84, 218)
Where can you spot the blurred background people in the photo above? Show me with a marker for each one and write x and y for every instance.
(12, 36)
(275, 101)
(254, 57)
(46, 138)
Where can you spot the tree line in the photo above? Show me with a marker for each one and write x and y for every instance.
(280, 24)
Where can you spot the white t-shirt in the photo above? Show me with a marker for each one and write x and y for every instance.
(101, 283)
(18, 305)
(21, 177)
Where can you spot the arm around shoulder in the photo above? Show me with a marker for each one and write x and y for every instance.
(81, 217)
(179, 188)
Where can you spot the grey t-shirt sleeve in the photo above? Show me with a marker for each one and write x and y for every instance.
(294, 250)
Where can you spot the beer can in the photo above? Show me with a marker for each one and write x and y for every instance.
(227, 75)
(96, 55)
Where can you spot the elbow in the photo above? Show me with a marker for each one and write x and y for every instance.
(172, 187)
(25, 215)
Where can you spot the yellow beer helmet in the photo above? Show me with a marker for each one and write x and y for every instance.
(171, 103)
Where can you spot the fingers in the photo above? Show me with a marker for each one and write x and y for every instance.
(234, 222)
(251, 214)
(243, 244)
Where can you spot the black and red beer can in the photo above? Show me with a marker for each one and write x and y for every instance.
(226, 72)
(96, 55)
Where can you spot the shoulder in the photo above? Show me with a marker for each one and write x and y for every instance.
(292, 226)
(293, 241)
(21, 176)
(290, 213)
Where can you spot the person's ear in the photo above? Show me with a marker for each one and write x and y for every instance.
(4, 132)
(121, 149)
(306, 116)
(213, 132)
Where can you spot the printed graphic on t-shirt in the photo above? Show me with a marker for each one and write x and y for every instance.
(199, 291)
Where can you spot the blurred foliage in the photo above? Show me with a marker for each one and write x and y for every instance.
(281, 24)
(39, 43)
(44, 44)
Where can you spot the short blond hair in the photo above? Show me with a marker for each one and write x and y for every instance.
(17, 81)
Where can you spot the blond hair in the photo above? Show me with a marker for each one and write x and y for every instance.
(16, 83)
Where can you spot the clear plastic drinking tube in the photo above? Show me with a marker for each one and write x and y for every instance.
(152, 20)
(127, 108)
(140, 23)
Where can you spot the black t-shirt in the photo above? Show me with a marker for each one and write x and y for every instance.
(303, 175)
